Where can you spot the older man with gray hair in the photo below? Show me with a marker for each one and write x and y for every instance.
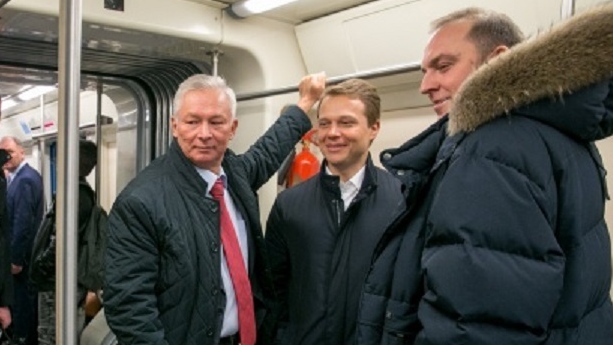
(185, 263)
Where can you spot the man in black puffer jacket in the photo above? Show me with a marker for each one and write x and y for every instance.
(169, 279)
(471, 37)
(321, 234)
(510, 244)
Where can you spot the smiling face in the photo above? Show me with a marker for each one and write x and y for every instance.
(204, 126)
(344, 134)
(449, 58)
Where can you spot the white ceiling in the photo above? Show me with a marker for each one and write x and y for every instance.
(295, 13)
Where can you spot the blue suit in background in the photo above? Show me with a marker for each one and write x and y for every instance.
(25, 210)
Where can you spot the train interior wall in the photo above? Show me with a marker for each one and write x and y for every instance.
(342, 43)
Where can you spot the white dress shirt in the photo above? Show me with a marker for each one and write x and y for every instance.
(12, 175)
(350, 188)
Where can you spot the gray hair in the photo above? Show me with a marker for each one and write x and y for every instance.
(204, 82)
(490, 29)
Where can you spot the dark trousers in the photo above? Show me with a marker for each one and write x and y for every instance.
(25, 309)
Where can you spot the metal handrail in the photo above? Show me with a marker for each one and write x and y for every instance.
(567, 9)
(370, 74)
(69, 75)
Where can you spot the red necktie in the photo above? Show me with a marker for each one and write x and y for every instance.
(238, 273)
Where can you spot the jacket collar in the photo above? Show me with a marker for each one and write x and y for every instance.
(418, 153)
(330, 183)
(554, 64)
(189, 179)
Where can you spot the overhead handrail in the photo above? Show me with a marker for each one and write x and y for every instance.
(567, 9)
(370, 74)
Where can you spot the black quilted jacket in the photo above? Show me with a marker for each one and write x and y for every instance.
(163, 258)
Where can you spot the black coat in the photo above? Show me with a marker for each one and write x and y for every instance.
(388, 306)
(163, 261)
(42, 263)
(6, 278)
(320, 254)
(508, 243)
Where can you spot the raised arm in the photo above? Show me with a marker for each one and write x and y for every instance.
(264, 158)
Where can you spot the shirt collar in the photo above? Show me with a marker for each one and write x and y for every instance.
(356, 180)
(21, 165)
(210, 178)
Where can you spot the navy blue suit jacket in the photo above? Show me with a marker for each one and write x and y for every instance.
(25, 211)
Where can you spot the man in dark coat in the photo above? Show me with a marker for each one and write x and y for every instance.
(472, 37)
(172, 276)
(509, 244)
(321, 234)
(88, 158)
(6, 279)
(25, 210)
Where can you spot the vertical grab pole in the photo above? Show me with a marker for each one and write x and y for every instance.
(567, 9)
(69, 75)
(41, 153)
(99, 92)
(214, 60)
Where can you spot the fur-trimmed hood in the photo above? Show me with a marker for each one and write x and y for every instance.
(561, 77)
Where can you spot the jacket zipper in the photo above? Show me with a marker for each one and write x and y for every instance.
(338, 213)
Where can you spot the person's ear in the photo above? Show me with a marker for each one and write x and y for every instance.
(497, 51)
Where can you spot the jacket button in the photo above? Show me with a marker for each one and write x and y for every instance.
(214, 248)
(214, 292)
(214, 208)
(209, 333)
(386, 156)
(388, 314)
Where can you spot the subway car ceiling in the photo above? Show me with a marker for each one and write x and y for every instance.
(28, 41)
(152, 45)
(28, 38)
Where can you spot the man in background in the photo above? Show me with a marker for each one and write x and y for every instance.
(42, 272)
(25, 210)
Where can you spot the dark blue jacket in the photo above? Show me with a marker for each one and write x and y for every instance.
(25, 204)
(506, 242)
(320, 254)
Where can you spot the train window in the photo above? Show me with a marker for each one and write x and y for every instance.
(29, 106)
